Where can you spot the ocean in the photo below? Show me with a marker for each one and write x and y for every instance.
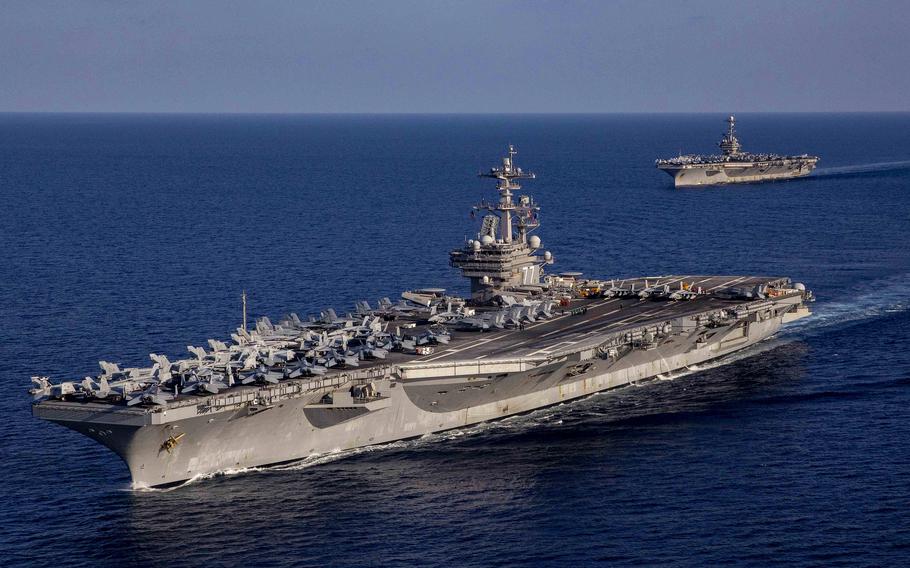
(123, 235)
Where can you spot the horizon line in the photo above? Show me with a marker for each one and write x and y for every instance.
(456, 113)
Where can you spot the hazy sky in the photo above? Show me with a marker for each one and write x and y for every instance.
(440, 56)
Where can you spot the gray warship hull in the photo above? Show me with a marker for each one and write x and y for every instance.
(734, 165)
(595, 345)
(689, 175)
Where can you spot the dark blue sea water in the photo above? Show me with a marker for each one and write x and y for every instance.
(125, 235)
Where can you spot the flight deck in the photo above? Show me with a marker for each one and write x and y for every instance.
(602, 315)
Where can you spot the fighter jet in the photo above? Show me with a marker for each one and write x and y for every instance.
(151, 395)
(620, 291)
(741, 293)
(482, 322)
(100, 389)
(683, 293)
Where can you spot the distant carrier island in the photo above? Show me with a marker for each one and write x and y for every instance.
(733, 165)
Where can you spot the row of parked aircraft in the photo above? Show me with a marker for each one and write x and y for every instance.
(295, 348)
(654, 292)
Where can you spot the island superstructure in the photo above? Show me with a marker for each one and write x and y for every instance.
(733, 165)
(522, 340)
(504, 257)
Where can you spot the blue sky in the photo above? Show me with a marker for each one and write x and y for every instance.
(467, 56)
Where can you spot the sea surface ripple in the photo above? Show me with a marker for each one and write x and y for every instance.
(124, 235)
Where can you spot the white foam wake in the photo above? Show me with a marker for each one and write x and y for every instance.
(872, 300)
(143, 488)
(862, 169)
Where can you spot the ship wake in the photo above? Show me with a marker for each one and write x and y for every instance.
(299, 465)
(861, 169)
(877, 298)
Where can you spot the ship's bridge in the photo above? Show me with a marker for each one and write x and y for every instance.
(504, 255)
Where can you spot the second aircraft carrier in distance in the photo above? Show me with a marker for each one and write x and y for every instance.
(428, 362)
(734, 165)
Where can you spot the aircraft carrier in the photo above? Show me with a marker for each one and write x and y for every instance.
(734, 165)
(281, 392)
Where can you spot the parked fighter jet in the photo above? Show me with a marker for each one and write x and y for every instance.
(741, 293)
(204, 381)
(483, 321)
(93, 389)
(262, 375)
(151, 395)
(44, 389)
(447, 315)
(683, 293)
(650, 291)
(620, 291)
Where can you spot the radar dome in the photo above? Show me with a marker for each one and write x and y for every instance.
(548, 256)
(534, 242)
(475, 245)
(800, 286)
(486, 239)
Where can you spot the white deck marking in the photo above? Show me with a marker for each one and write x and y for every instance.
(520, 343)
(645, 314)
(727, 284)
(673, 280)
(561, 330)
(502, 335)
(551, 348)
(469, 346)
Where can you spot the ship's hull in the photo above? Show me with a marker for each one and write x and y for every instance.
(412, 403)
(689, 175)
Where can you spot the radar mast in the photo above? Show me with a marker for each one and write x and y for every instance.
(729, 144)
(507, 175)
(497, 260)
